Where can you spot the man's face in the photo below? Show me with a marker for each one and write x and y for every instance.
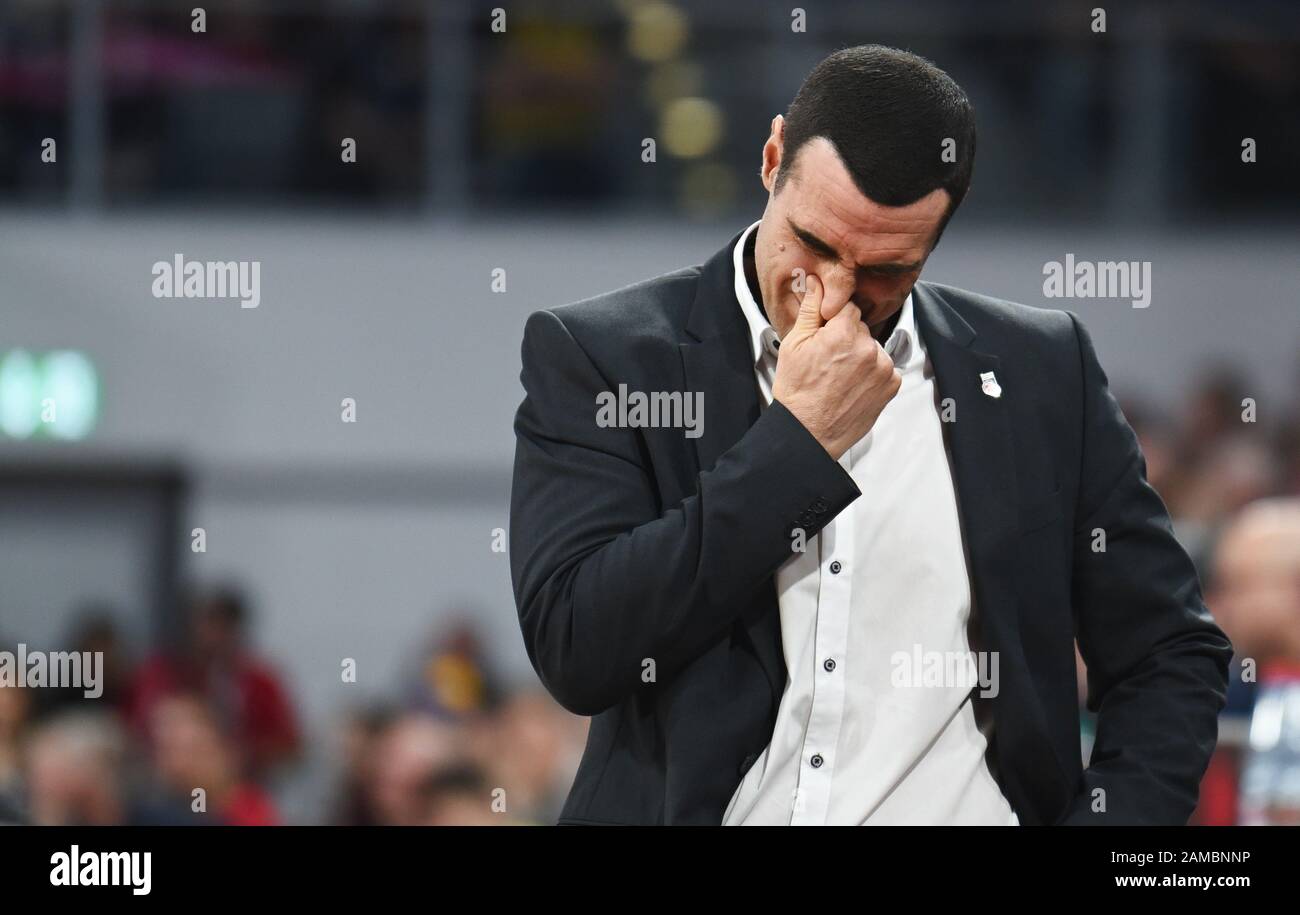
(820, 223)
(214, 635)
(1256, 593)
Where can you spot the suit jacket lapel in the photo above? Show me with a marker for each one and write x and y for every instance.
(983, 451)
(718, 362)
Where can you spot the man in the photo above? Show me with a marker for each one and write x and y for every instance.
(1256, 584)
(886, 470)
(1255, 592)
(215, 662)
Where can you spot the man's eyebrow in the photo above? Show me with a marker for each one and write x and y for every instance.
(819, 246)
(812, 241)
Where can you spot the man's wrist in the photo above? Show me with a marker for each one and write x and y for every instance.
(821, 437)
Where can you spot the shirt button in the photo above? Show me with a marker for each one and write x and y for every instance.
(829, 664)
(835, 567)
(816, 761)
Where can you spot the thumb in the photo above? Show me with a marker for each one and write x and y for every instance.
(810, 309)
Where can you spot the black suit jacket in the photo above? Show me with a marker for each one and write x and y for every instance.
(643, 560)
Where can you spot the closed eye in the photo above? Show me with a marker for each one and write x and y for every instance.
(819, 248)
(889, 271)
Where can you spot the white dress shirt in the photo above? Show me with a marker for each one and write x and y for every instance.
(887, 576)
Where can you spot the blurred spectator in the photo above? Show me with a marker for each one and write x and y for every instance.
(454, 679)
(532, 751)
(1219, 462)
(468, 752)
(245, 695)
(1213, 411)
(408, 755)
(1255, 596)
(1256, 585)
(359, 752)
(74, 771)
(191, 753)
(14, 702)
(460, 796)
(1231, 473)
(93, 632)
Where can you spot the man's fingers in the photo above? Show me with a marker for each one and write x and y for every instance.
(810, 308)
(849, 316)
(833, 307)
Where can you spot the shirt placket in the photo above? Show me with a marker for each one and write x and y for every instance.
(830, 642)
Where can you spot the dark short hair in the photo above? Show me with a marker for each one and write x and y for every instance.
(223, 602)
(887, 113)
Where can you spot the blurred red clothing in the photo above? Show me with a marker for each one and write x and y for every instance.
(246, 696)
(1218, 805)
(249, 805)
(1218, 801)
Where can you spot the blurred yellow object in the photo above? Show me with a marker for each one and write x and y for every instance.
(690, 127)
(656, 31)
(672, 80)
(456, 683)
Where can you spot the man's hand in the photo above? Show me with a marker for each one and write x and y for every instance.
(833, 376)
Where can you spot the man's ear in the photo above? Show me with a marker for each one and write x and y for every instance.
(773, 151)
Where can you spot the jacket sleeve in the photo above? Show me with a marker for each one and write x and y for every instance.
(1157, 663)
(605, 578)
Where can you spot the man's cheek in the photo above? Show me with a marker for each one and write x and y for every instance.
(795, 275)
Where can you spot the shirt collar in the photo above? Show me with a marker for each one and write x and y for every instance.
(762, 338)
(902, 342)
(902, 345)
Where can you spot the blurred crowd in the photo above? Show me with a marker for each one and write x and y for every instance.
(532, 115)
(205, 731)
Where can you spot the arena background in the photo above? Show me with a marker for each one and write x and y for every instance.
(521, 151)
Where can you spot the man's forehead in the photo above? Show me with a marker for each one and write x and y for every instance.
(1259, 544)
(827, 203)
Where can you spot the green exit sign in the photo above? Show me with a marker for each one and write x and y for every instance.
(53, 394)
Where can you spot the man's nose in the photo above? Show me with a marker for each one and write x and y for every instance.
(840, 287)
